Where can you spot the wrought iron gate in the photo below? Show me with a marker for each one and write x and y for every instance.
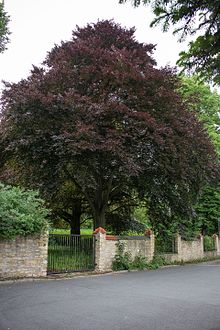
(70, 253)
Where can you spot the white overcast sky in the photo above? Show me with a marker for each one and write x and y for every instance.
(36, 25)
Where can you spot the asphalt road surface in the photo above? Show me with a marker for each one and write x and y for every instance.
(182, 297)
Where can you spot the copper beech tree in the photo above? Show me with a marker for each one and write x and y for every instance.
(100, 115)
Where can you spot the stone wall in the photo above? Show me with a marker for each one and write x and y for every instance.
(24, 257)
(191, 250)
(216, 252)
(27, 256)
(106, 248)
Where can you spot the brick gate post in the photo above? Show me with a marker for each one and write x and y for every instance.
(100, 242)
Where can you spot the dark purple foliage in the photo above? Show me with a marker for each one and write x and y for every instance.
(102, 116)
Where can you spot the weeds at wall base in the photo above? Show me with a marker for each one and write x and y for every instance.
(123, 261)
(194, 261)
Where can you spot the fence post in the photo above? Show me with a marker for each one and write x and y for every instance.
(100, 240)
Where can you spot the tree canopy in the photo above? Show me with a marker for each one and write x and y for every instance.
(99, 114)
(4, 32)
(189, 18)
(206, 104)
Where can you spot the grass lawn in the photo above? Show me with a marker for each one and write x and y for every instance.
(61, 260)
(84, 231)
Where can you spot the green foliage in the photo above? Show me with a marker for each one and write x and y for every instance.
(206, 104)
(203, 57)
(60, 223)
(208, 243)
(60, 231)
(157, 262)
(21, 212)
(131, 233)
(165, 245)
(123, 223)
(140, 263)
(83, 231)
(122, 260)
(188, 18)
(141, 215)
(208, 210)
(4, 32)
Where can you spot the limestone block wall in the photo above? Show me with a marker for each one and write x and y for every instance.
(106, 248)
(215, 253)
(143, 246)
(186, 250)
(192, 250)
(24, 257)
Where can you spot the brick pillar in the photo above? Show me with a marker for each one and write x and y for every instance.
(100, 241)
(151, 245)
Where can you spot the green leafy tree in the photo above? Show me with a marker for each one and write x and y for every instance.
(192, 17)
(21, 212)
(206, 103)
(208, 210)
(61, 194)
(101, 115)
(201, 99)
(4, 31)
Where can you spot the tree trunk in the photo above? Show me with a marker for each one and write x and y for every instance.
(100, 220)
(75, 218)
(75, 226)
(99, 201)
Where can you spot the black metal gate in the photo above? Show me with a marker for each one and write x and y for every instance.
(165, 244)
(70, 253)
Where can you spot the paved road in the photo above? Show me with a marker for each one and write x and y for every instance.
(183, 297)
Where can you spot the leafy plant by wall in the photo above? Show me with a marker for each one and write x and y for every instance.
(124, 261)
(21, 212)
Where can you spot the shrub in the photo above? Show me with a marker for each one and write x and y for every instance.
(208, 243)
(21, 212)
(122, 260)
(157, 262)
(140, 263)
(131, 233)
